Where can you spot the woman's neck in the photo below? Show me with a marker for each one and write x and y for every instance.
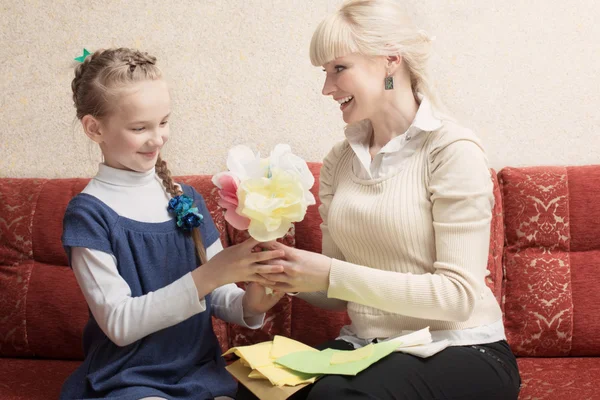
(394, 119)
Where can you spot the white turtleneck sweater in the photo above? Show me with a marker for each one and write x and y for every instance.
(125, 319)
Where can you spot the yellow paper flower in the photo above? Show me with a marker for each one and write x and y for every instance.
(272, 204)
(272, 192)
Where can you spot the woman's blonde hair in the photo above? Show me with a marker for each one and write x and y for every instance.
(375, 28)
(101, 77)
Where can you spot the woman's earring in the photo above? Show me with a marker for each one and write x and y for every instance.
(389, 82)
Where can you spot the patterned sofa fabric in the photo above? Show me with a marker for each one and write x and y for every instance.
(543, 262)
(551, 260)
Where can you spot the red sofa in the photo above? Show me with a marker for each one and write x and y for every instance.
(544, 264)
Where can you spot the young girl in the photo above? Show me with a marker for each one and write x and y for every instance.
(135, 239)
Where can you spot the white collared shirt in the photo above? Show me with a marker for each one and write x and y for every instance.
(389, 158)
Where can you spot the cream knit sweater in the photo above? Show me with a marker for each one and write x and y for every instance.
(410, 249)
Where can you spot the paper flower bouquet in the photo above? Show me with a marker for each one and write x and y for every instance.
(264, 195)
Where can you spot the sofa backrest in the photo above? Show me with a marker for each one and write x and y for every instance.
(552, 260)
(42, 310)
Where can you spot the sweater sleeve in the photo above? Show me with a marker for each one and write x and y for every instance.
(329, 248)
(123, 318)
(126, 319)
(460, 191)
(326, 193)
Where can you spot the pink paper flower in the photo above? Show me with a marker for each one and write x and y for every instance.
(228, 187)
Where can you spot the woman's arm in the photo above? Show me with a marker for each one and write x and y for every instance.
(329, 248)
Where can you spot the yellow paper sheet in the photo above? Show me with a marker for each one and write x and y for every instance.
(283, 346)
(254, 374)
(260, 359)
(279, 376)
(261, 388)
(256, 355)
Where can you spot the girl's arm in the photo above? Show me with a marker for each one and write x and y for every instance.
(123, 318)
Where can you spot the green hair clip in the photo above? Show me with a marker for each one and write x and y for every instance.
(82, 58)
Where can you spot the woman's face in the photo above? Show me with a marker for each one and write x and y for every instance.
(356, 82)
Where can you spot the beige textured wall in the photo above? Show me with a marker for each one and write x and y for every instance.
(524, 74)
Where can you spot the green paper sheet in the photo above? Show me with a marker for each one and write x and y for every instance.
(311, 362)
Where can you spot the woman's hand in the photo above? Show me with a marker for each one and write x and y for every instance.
(303, 271)
(256, 301)
(237, 264)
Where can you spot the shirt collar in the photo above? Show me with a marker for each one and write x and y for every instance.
(121, 177)
(425, 120)
(359, 134)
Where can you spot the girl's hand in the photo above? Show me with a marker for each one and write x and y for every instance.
(237, 264)
(256, 301)
(304, 271)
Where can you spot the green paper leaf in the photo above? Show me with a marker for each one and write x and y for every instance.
(311, 362)
(82, 58)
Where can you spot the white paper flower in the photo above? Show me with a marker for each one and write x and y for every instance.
(272, 193)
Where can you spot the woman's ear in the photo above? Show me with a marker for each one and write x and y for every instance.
(91, 127)
(393, 63)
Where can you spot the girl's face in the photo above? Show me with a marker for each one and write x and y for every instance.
(134, 133)
(356, 82)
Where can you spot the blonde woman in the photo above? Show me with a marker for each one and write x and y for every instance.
(406, 207)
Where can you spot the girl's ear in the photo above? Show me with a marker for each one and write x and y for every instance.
(91, 127)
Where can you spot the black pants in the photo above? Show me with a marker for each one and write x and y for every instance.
(482, 372)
